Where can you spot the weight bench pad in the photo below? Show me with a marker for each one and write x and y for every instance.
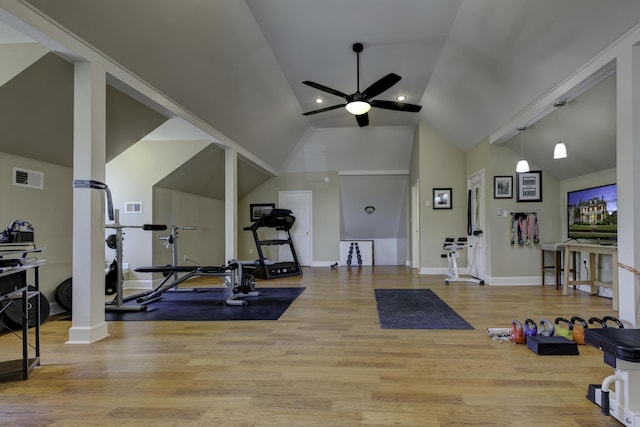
(623, 344)
(184, 269)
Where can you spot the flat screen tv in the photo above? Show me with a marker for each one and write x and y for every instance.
(592, 213)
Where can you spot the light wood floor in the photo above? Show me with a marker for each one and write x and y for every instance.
(325, 362)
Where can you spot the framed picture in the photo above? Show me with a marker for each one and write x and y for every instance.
(502, 187)
(258, 210)
(529, 186)
(441, 198)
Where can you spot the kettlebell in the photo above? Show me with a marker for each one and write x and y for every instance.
(530, 328)
(578, 332)
(517, 333)
(606, 319)
(564, 332)
(546, 328)
(593, 320)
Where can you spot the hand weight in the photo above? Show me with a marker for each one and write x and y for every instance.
(517, 333)
(606, 319)
(564, 332)
(578, 332)
(530, 328)
(593, 320)
(546, 328)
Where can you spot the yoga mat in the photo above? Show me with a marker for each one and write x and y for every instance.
(209, 304)
(416, 309)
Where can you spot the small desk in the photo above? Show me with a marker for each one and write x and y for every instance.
(592, 249)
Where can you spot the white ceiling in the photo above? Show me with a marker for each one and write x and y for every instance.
(238, 65)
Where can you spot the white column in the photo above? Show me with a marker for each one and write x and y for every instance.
(230, 204)
(628, 178)
(89, 154)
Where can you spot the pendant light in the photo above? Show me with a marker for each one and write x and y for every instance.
(523, 165)
(560, 151)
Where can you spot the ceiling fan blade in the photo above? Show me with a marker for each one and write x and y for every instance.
(322, 110)
(381, 85)
(398, 106)
(325, 89)
(363, 120)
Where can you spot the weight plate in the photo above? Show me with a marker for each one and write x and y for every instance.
(13, 316)
(63, 294)
(112, 241)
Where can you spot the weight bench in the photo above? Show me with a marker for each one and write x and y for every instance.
(621, 349)
(181, 273)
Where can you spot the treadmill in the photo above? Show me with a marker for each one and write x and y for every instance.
(281, 220)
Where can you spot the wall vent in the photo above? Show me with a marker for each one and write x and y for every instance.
(28, 178)
(133, 207)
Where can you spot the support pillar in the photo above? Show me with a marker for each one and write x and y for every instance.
(89, 158)
(628, 180)
(231, 204)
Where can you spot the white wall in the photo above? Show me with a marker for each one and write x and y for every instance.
(131, 177)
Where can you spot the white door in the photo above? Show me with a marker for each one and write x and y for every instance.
(476, 244)
(299, 202)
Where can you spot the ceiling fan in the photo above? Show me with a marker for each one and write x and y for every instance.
(359, 103)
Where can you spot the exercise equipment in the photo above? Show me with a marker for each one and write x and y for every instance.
(579, 326)
(239, 283)
(64, 294)
(117, 304)
(617, 322)
(621, 348)
(356, 246)
(530, 328)
(517, 333)
(546, 328)
(562, 331)
(13, 316)
(452, 246)
(604, 321)
(237, 289)
(171, 241)
(552, 346)
(282, 221)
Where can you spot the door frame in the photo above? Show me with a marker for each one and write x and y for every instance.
(309, 231)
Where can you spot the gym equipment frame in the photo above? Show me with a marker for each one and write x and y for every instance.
(451, 246)
(621, 348)
(239, 284)
(117, 304)
(227, 272)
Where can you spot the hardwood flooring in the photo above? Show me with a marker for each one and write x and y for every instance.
(325, 362)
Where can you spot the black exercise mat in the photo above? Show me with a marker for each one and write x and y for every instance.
(209, 304)
(416, 309)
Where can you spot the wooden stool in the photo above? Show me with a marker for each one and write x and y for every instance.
(558, 266)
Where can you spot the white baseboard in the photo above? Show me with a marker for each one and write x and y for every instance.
(514, 281)
(138, 284)
(323, 263)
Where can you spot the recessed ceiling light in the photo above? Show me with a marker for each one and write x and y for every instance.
(319, 100)
(401, 97)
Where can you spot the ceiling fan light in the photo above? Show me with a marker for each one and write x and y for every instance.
(560, 151)
(358, 108)
(522, 166)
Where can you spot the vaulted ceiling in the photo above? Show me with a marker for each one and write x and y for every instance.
(239, 65)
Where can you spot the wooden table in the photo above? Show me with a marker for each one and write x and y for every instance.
(592, 249)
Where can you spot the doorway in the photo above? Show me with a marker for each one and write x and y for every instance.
(299, 202)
